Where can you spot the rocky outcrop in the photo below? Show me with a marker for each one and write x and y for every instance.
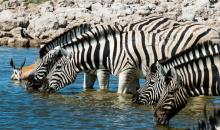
(49, 19)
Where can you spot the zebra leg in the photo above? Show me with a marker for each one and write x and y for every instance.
(127, 83)
(103, 78)
(89, 80)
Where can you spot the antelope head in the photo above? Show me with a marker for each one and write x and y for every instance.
(17, 71)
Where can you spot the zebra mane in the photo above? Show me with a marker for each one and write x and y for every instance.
(98, 32)
(62, 38)
(206, 47)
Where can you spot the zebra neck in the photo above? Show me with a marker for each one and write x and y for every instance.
(94, 49)
(190, 56)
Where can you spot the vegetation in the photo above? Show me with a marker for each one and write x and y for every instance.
(36, 1)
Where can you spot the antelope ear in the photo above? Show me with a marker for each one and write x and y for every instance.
(12, 63)
(170, 75)
(22, 64)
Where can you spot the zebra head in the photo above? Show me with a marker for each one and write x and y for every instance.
(43, 66)
(150, 93)
(173, 98)
(17, 71)
(62, 74)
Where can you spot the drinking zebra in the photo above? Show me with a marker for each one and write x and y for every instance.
(198, 77)
(150, 23)
(151, 92)
(126, 55)
(162, 36)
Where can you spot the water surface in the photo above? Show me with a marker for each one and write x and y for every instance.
(75, 108)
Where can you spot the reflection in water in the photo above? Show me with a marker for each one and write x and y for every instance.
(74, 108)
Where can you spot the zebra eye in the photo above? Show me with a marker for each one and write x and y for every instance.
(171, 92)
(58, 67)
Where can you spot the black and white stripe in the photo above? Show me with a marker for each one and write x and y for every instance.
(128, 54)
(151, 92)
(150, 23)
(200, 77)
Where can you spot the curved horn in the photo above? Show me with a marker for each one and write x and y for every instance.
(22, 64)
(12, 63)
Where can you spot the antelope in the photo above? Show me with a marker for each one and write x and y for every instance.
(21, 73)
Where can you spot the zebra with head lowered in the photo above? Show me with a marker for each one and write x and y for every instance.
(150, 24)
(45, 62)
(125, 55)
(151, 92)
(199, 76)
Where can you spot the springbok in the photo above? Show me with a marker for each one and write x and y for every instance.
(21, 73)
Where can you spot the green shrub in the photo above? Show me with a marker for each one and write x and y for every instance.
(36, 1)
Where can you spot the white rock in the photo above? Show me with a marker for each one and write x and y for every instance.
(47, 7)
(188, 13)
(7, 15)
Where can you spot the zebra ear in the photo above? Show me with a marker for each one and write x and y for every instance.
(160, 68)
(170, 75)
(64, 52)
(12, 63)
(155, 67)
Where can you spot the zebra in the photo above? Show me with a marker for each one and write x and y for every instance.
(199, 77)
(150, 93)
(150, 23)
(125, 55)
(42, 67)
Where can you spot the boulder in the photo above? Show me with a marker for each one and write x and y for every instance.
(5, 34)
(40, 25)
(18, 42)
(65, 3)
(3, 41)
(35, 42)
(189, 13)
(16, 32)
(47, 7)
(12, 4)
(7, 20)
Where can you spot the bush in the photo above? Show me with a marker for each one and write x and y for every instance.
(36, 1)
